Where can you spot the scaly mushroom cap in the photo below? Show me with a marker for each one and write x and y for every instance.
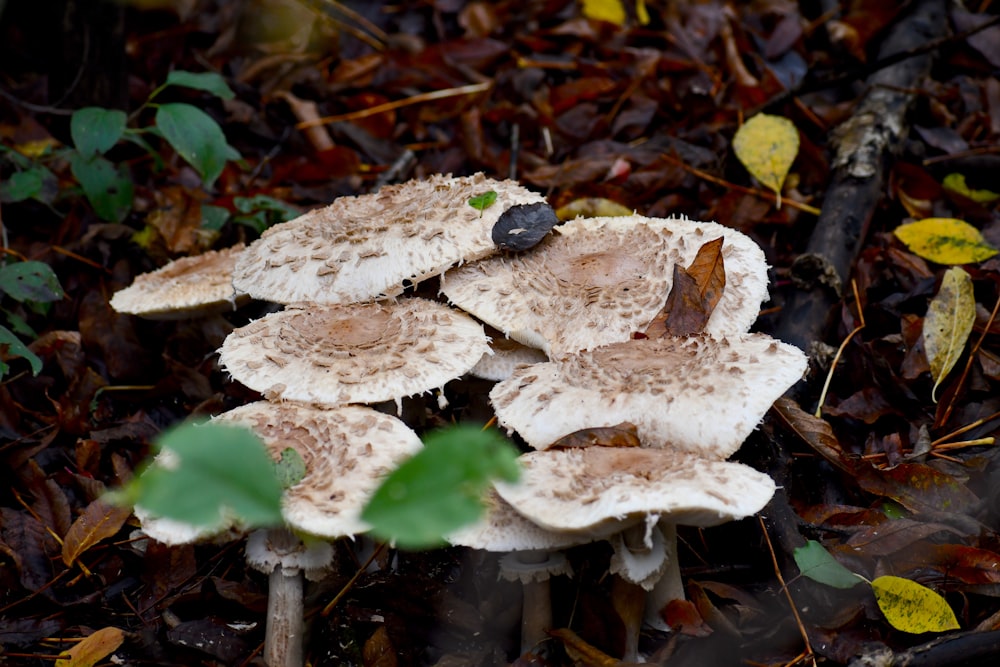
(362, 353)
(347, 451)
(508, 355)
(364, 248)
(696, 394)
(600, 491)
(598, 280)
(185, 287)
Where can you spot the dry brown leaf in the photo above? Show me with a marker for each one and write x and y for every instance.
(694, 293)
(582, 653)
(378, 650)
(99, 521)
(93, 649)
(619, 435)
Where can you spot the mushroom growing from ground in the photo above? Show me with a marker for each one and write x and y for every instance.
(360, 353)
(367, 247)
(186, 287)
(598, 280)
(694, 393)
(347, 452)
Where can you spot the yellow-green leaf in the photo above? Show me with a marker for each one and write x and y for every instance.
(592, 207)
(612, 11)
(93, 649)
(945, 241)
(948, 323)
(956, 183)
(910, 607)
(767, 146)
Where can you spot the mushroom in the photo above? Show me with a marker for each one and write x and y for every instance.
(367, 247)
(602, 492)
(667, 387)
(506, 356)
(598, 280)
(186, 287)
(347, 452)
(361, 353)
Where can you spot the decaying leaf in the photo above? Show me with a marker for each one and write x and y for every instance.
(913, 608)
(592, 207)
(948, 323)
(945, 241)
(956, 183)
(378, 650)
(767, 146)
(580, 651)
(99, 521)
(93, 649)
(694, 293)
(619, 435)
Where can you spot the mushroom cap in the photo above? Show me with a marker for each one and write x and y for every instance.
(173, 532)
(508, 355)
(347, 451)
(364, 248)
(696, 393)
(186, 287)
(502, 528)
(361, 353)
(600, 491)
(598, 280)
(268, 549)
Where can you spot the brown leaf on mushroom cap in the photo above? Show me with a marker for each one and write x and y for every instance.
(361, 353)
(185, 287)
(347, 452)
(363, 248)
(698, 394)
(600, 491)
(598, 280)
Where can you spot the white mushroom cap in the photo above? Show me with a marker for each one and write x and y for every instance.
(186, 287)
(363, 248)
(347, 451)
(696, 393)
(361, 353)
(598, 280)
(600, 491)
(173, 532)
(269, 549)
(508, 355)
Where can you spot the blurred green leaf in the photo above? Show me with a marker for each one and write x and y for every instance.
(197, 138)
(290, 468)
(11, 346)
(213, 217)
(96, 130)
(817, 564)
(440, 489)
(108, 188)
(207, 474)
(30, 281)
(208, 81)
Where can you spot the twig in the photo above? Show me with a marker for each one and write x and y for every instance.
(343, 591)
(784, 587)
(840, 351)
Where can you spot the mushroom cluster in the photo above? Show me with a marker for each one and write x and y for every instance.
(347, 336)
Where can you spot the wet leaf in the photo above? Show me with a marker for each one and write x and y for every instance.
(913, 608)
(11, 346)
(592, 207)
(93, 649)
(816, 563)
(948, 323)
(30, 281)
(440, 488)
(945, 241)
(99, 521)
(197, 138)
(96, 130)
(917, 487)
(767, 146)
(206, 474)
(290, 468)
(523, 226)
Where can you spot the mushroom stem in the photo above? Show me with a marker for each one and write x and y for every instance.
(533, 569)
(285, 625)
(669, 586)
(629, 597)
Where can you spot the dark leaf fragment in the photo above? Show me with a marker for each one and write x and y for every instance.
(523, 226)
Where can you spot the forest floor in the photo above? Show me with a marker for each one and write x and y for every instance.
(336, 99)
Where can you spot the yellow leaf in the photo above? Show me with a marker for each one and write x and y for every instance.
(93, 649)
(99, 521)
(948, 323)
(945, 241)
(956, 183)
(592, 207)
(913, 608)
(612, 11)
(767, 146)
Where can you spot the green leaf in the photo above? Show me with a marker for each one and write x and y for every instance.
(483, 201)
(956, 183)
(11, 346)
(945, 241)
(108, 189)
(207, 474)
(213, 217)
(817, 564)
(913, 608)
(196, 137)
(950, 316)
(263, 211)
(96, 130)
(290, 468)
(440, 488)
(30, 281)
(208, 81)
(22, 185)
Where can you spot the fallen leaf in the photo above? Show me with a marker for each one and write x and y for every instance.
(945, 241)
(767, 146)
(99, 521)
(683, 617)
(580, 651)
(956, 183)
(619, 435)
(816, 563)
(378, 650)
(93, 649)
(912, 608)
(592, 207)
(694, 293)
(949, 321)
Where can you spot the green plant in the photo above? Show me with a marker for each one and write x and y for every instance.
(33, 285)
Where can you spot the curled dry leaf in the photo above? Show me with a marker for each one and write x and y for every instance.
(99, 521)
